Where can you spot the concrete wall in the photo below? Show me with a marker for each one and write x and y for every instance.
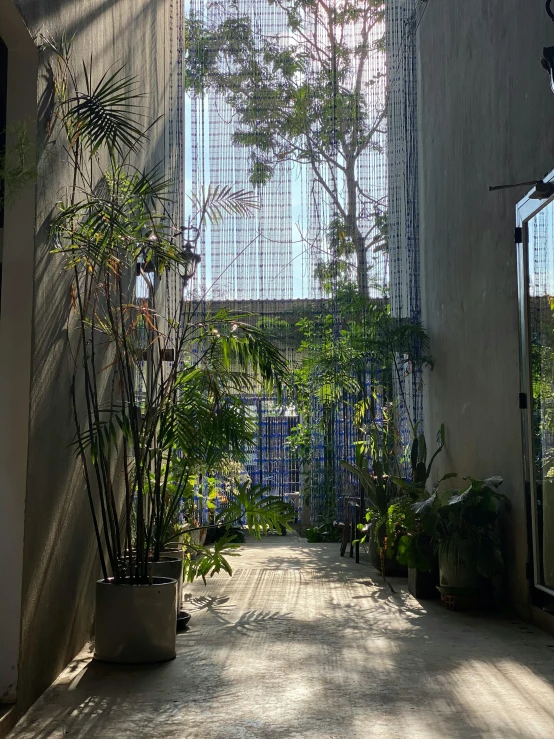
(59, 556)
(15, 346)
(485, 118)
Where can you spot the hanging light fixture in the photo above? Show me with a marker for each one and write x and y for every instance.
(547, 60)
(191, 260)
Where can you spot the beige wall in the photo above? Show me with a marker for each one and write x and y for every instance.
(15, 348)
(60, 562)
(485, 118)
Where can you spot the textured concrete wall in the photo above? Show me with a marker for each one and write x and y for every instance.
(485, 117)
(15, 344)
(60, 562)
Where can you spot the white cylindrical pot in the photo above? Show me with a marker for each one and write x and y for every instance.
(170, 565)
(136, 624)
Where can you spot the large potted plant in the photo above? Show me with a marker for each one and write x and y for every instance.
(137, 350)
(462, 528)
(467, 541)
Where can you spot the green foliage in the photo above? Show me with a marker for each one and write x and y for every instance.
(119, 221)
(104, 114)
(446, 520)
(469, 517)
(378, 488)
(145, 423)
(17, 163)
(415, 488)
(211, 561)
(392, 514)
(218, 201)
(321, 121)
(261, 512)
(322, 533)
(334, 359)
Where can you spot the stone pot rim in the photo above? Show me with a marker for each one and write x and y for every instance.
(156, 583)
(164, 559)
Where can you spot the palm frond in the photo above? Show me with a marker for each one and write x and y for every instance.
(216, 201)
(262, 512)
(105, 114)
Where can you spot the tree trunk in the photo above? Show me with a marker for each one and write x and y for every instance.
(352, 229)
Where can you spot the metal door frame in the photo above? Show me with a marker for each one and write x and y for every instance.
(534, 202)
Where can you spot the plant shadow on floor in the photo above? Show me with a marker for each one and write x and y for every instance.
(403, 668)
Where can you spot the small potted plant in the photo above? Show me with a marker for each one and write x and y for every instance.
(414, 547)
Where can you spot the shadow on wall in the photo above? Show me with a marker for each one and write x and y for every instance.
(60, 559)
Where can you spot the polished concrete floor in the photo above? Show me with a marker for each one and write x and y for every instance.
(300, 644)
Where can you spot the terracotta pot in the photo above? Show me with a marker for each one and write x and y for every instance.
(136, 624)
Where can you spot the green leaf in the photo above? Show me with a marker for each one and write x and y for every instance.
(105, 114)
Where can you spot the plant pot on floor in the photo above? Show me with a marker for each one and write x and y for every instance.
(392, 567)
(459, 579)
(423, 585)
(170, 565)
(136, 624)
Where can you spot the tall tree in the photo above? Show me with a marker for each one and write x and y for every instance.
(304, 99)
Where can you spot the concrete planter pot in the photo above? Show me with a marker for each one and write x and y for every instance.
(459, 580)
(458, 573)
(423, 585)
(170, 566)
(136, 624)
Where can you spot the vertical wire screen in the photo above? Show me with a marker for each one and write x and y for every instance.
(403, 17)
(270, 263)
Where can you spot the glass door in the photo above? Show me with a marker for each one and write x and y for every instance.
(536, 277)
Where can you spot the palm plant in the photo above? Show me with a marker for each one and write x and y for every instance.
(154, 389)
(253, 504)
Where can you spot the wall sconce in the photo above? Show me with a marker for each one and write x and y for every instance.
(187, 268)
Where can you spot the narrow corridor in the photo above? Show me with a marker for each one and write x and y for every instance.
(300, 644)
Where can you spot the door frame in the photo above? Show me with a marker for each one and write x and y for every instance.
(531, 205)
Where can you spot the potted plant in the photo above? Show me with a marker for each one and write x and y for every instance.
(139, 374)
(460, 528)
(467, 540)
(414, 549)
(379, 492)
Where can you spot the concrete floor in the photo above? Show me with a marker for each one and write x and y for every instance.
(300, 644)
